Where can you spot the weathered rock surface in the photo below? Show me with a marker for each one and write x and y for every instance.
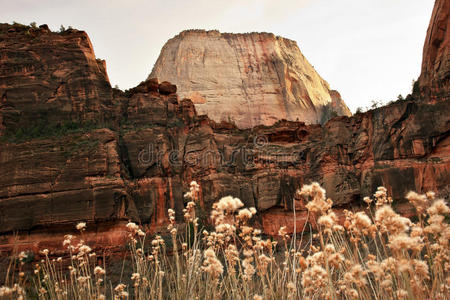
(139, 171)
(156, 144)
(434, 81)
(249, 79)
(50, 77)
(55, 181)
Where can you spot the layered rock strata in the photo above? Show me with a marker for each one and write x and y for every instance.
(46, 77)
(434, 81)
(248, 79)
(155, 144)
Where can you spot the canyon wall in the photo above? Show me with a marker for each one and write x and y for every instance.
(248, 79)
(47, 77)
(434, 81)
(131, 155)
(139, 170)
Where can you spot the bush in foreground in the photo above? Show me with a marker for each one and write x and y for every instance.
(373, 254)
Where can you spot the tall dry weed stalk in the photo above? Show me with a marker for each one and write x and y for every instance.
(374, 254)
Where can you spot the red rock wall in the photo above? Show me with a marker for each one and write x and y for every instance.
(50, 77)
(156, 144)
(137, 172)
(434, 81)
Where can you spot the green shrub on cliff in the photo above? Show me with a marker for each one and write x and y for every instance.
(43, 130)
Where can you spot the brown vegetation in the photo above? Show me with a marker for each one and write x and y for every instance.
(375, 255)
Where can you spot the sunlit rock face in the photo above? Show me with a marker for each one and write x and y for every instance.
(155, 144)
(249, 79)
(434, 81)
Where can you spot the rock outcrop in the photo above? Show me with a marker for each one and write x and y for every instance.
(248, 79)
(48, 77)
(434, 81)
(155, 144)
(141, 169)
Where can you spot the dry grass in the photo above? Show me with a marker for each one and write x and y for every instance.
(374, 255)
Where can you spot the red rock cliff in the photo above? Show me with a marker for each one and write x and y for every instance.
(139, 167)
(434, 81)
(50, 77)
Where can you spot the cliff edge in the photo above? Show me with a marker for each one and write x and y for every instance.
(248, 79)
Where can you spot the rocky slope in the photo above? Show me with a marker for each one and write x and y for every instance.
(138, 171)
(434, 81)
(249, 79)
(55, 175)
(47, 77)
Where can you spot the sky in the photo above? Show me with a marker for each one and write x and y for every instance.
(366, 49)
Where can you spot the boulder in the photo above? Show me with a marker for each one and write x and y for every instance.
(166, 88)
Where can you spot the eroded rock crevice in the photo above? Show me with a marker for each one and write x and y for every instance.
(131, 155)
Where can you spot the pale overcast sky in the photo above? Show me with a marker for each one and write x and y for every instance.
(366, 49)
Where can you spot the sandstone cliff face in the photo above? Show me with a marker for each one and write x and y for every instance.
(434, 81)
(249, 79)
(59, 180)
(139, 167)
(140, 170)
(50, 77)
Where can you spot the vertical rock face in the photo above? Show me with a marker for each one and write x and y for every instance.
(434, 81)
(140, 167)
(50, 77)
(249, 79)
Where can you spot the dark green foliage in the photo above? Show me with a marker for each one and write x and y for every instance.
(42, 130)
(328, 113)
(376, 104)
(175, 123)
(19, 25)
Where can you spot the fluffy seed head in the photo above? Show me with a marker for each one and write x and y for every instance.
(81, 226)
